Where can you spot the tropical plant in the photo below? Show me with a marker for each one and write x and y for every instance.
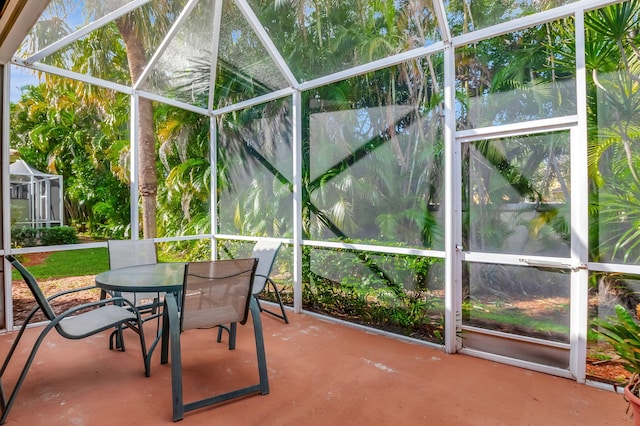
(54, 130)
(613, 61)
(623, 333)
(102, 55)
(185, 184)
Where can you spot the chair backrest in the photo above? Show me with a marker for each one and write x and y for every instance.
(123, 253)
(216, 292)
(265, 251)
(41, 300)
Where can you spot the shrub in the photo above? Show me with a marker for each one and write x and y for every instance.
(24, 237)
(58, 235)
(55, 235)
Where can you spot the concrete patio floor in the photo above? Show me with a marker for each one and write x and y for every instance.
(320, 373)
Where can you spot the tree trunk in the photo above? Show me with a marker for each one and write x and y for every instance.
(147, 171)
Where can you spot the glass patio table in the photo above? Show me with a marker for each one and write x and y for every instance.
(153, 278)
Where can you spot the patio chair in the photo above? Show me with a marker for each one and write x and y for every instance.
(215, 292)
(124, 253)
(265, 252)
(78, 322)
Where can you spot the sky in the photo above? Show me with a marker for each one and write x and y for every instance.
(20, 77)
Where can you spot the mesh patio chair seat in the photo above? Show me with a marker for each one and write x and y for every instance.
(215, 292)
(265, 252)
(78, 322)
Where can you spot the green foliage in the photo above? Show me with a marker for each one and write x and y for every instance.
(420, 317)
(52, 236)
(184, 251)
(393, 292)
(623, 333)
(613, 62)
(58, 235)
(185, 181)
(54, 128)
(24, 237)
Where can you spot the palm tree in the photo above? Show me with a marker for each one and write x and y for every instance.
(101, 55)
(130, 29)
(613, 59)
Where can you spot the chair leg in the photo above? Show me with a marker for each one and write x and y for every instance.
(116, 340)
(179, 407)
(164, 345)
(7, 359)
(231, 329)
(6, 405)
(176, 358)
(262, 358)
(15, 343)
(145, 356)
(282, 316)
(284, 313)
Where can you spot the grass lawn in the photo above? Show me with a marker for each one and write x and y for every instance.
(69, 263)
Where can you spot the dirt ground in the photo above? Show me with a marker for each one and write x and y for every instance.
(23, 301)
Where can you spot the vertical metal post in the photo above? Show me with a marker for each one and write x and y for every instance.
(213, 207)
(213, 128)
(61, 200)
(579, 313)
(133, 166)
(47, 202)
(33, 213)
(6, 200)
(296, 117)
(453, 217)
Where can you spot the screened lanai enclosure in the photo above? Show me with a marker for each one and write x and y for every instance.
(464, 173)
(36, 197)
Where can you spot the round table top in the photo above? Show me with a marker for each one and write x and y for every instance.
(157, 277)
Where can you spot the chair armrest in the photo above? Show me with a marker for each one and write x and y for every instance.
(72, 290)
(101, 302)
